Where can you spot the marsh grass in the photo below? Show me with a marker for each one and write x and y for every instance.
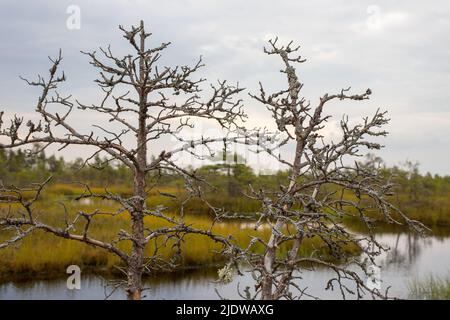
(432, 288)
(433, 210)
(41, 253)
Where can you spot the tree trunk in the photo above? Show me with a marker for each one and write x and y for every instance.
(136, 260)
(270, 254)
(269, 259)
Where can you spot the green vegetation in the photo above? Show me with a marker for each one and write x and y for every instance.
(422, 197)
(43, 253)
(431, 288)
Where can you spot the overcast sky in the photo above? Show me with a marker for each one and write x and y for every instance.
(399, 49)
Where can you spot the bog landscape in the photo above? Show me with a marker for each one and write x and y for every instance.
(163, 187)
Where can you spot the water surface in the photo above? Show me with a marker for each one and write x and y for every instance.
(410, 257)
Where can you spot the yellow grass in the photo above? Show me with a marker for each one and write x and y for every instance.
(44, 253)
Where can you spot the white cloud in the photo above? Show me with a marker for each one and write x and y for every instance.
(401, 54)
(378, 22)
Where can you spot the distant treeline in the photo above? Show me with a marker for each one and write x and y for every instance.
(417, 193)
(18, 167)
(23, 167)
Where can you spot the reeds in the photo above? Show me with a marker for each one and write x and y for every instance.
(431, 288)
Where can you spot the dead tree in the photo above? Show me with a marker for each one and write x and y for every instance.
(148, 102)
(324, 188)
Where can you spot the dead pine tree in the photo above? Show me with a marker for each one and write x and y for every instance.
(324, 187)
(147, 102)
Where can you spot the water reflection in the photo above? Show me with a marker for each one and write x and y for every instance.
(410, 257)
(405, 249)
